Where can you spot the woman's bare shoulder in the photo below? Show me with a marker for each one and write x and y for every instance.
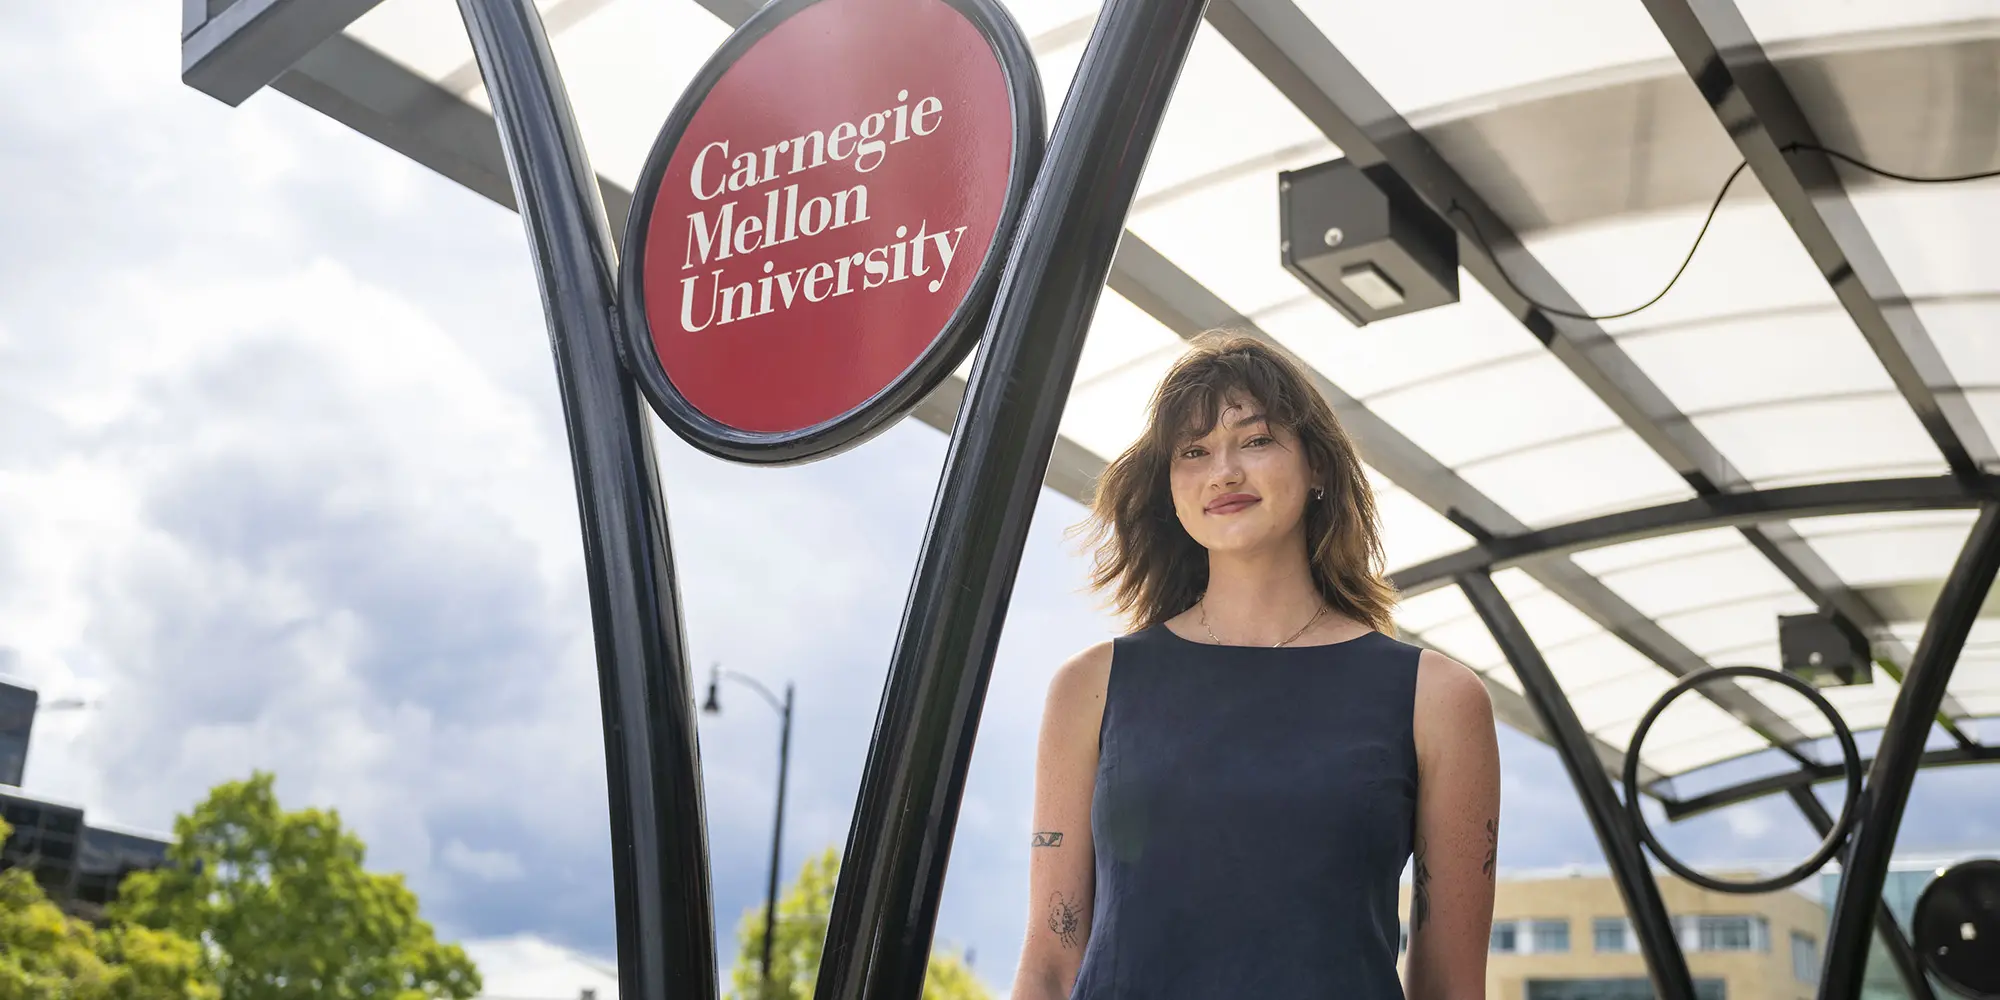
(1451, 697)
(1447, 677)
(1083, 677)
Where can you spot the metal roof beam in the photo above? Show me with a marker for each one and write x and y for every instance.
(1721, 510)
(1756, 788)
(1749, 97)
(230, 52)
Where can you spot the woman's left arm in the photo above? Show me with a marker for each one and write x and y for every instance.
(1454, 854)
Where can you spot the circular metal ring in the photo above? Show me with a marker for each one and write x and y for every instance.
(1835, 836)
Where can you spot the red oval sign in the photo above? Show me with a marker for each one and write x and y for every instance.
(819, 215)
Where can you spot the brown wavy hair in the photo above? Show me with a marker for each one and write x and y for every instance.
(1153, 569)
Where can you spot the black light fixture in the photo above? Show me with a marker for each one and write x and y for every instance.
(1823, 650)
(713, 705)
(1364, 242)
(1956, 922)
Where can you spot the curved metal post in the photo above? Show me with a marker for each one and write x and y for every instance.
(659, 853)
(1665, 962)
(892, 876)
(1900, 753)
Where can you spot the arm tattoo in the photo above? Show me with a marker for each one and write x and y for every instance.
(1066, 920)
(1420, 889)
(1492, 849)
(1049, 838)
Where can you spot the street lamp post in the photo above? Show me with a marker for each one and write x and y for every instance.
(784, 709)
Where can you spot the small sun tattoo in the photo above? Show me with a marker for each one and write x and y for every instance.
(1066, 920)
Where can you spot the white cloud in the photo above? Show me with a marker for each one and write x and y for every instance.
(489, 866)
(526, 967)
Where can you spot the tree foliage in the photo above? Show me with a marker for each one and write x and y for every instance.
(801, 932)
(46, 954)
(286, 908)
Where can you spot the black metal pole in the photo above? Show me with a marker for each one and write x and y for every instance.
(1899, 754)
(892, 875)
(1665, 962)
(1886, 928)
(659, 853)
(777, 839)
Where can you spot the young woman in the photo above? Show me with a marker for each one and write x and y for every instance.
(1226, 798)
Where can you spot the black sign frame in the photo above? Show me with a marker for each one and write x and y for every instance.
(947, 350)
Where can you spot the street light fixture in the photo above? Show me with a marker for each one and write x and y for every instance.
(713, 706)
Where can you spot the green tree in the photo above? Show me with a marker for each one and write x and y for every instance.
(286, 909)
(47, 954)
(801, 932)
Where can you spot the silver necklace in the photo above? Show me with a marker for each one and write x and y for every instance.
(1202, 604)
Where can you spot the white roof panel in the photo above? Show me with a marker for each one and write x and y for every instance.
(1820, 440)
(1580, 477)
(1781, 20)
(1226, 236)
(1420, 53)
(1749, 262)
(1489, 411)
(1726, 571)
(1402, 351)
(1225, 113)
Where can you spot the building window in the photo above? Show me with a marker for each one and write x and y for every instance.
(1708, 932)
(1723, 933)
(1547, 936)
(1530, 937)
(1728, 933)
(1805, 959)
(1611, 934)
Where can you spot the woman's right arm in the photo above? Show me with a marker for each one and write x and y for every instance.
(1060, 861)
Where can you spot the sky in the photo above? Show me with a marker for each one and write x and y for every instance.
(283, 486)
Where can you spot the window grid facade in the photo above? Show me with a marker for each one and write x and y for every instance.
(1805, 958)
(1613, 935)
(1538, 936)
(1723, 932)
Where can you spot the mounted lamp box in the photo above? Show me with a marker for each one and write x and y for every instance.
(1365, 242)
(1823, 651)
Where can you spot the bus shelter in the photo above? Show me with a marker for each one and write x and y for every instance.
(1459, 215)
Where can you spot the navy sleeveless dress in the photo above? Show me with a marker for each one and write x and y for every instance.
(1253, 813)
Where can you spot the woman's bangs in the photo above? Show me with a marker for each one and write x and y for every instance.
(1188, 410)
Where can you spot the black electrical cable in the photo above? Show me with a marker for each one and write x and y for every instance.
(1891, 174)
(1713, 208)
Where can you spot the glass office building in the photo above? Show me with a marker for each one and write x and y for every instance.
(17, 719)
(78, 865)
(1905, 883)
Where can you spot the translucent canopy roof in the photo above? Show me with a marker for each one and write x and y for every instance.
(1577, 124)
